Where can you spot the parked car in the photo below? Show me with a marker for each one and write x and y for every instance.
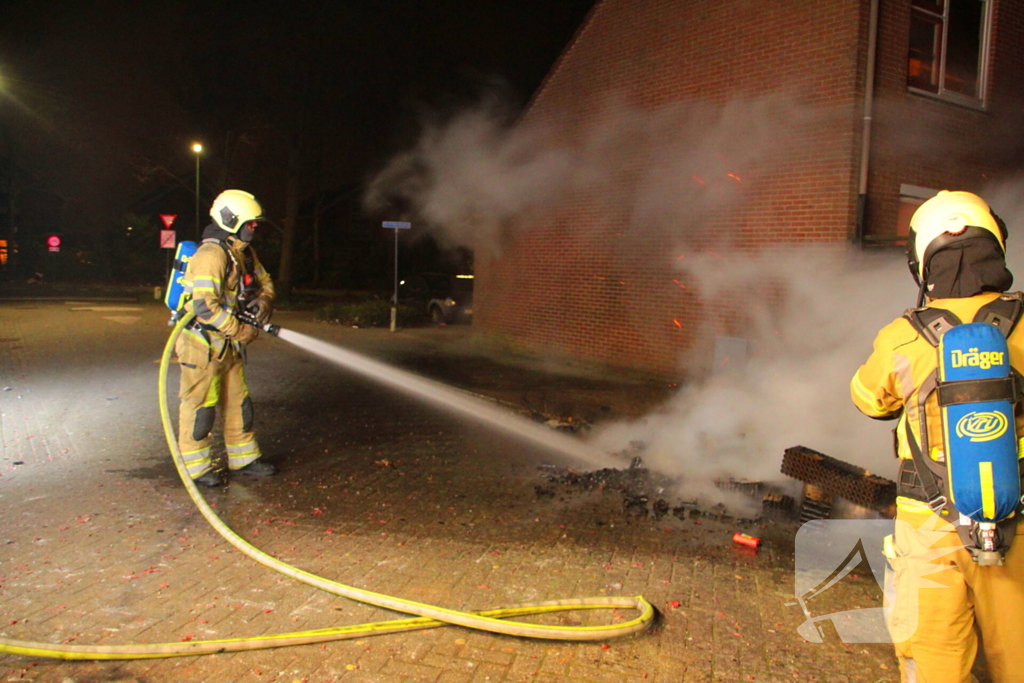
(444, 298)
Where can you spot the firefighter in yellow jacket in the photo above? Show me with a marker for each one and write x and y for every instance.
(943, 596)
(223, 277)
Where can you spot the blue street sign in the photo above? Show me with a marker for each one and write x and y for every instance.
(397, 225)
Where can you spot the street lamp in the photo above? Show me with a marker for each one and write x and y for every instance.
(197, 148)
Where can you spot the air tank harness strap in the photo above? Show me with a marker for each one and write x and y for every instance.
(931, 323)
(925, 466)
(931, 476)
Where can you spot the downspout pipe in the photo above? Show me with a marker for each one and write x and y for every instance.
(865, 143)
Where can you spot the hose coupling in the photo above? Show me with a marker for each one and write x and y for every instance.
(271, 329)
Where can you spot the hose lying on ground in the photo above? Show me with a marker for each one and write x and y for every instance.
(495, 620)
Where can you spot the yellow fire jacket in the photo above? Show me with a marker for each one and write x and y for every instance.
(214, 280)
(900, 363)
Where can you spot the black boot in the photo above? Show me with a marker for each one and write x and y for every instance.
(258, 468)
(209, 478)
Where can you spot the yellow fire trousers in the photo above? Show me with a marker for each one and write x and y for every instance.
(209, 383)
(943, 599)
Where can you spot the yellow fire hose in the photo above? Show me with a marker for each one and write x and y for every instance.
(495, 620)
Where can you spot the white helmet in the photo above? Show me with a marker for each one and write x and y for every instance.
(946, 218)
(234, 208)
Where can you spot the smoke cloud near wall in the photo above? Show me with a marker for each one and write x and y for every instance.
(474, 177)
(474, 180)
(793, 388)
(1007, 199)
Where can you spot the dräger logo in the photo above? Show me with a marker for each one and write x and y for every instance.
(983, 360)
(982, 426)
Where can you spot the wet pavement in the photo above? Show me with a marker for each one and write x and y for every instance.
(100, 544)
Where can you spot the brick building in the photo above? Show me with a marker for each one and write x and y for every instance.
(817, 121)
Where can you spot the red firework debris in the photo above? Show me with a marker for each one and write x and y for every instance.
(746, 539)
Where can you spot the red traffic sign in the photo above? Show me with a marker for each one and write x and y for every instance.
(53, 242)
(168, 238)
(168, 219)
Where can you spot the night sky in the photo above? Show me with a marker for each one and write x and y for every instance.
(102, 100)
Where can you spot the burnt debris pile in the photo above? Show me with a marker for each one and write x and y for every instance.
(832, 488)
(648, 494)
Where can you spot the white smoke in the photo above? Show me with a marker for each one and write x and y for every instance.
(476, 180)
(1007, 199)
(793, 388)
(473, 179)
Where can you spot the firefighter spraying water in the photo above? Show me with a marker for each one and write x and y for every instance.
(214, 316)
(948, 371)
(224, 285)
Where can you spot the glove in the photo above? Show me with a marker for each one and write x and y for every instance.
(262, 307)
(246, 334)
(246, 317)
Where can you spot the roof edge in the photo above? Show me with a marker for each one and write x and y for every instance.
(584, 25)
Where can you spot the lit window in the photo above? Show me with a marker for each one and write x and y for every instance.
(948, 48)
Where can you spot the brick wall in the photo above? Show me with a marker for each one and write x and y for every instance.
(923, 141)
(599, 278)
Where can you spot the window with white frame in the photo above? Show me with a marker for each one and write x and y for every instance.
(949, 48)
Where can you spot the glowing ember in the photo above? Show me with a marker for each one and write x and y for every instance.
(679, 283)
(699, 181)
(735, 177)
(678, 324)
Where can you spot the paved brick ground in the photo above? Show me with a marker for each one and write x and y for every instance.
(100, 544)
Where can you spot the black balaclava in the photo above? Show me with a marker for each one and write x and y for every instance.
(967, 268)
(214, 231)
